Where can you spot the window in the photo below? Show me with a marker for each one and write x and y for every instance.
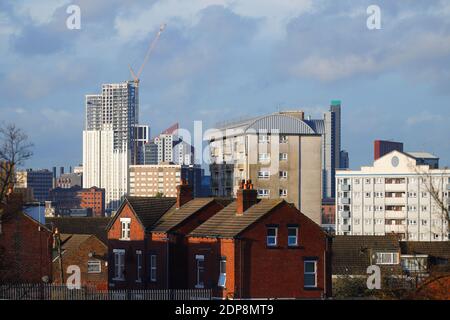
(153, 267)
(263, 192)
(125, 228)
(263, 174)
(310, 274)
(263, 138)
(272, 236)
(283, 156)
(263, 157)
(138, 265)
(283, 174)
(283, 193)
(94, 266)
(387, 258)
(283, 139)
(292, 236)
(119, 264)
(200, 259)
(222, 272)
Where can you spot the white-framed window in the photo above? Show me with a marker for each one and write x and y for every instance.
(357, 221)
(379, 221)
(272, 233)
(94, 266)
(125, 228)
(283, 139)
(263, 157)
(283, 193)
(412, 222)
(119, 264)
(387, 258)
(263, 174)
(368, 194)
(222, 272)
(138, 265)
(283, 174)
(153, 267)
(200, 261)
(368, 181)
(310, 274)
(292, 236)
(283, 156)
(263, 138)
(263, 192)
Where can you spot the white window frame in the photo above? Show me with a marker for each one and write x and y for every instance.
(263, 174)
(199, 258)
(263, 192)
(296, 237)
(309, 273)
(125, 228)
(138, 266)
(283, 192)
(95, 263)
(275, 237)
(153, 268)
(283, 174)
(392, 260)
(283, 156)
(119, 264)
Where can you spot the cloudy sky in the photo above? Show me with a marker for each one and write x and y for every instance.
(225, 59)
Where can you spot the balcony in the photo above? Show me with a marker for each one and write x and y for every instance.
(396, 228)
(345, 200)
(395, 187)
(395, 201)
(391, 214)
(345, 187)
(344, 214)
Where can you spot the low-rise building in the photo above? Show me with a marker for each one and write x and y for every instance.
(146, 239)
(260, 248)
(67, 200)
(163, 179)
(88, 253)
(25, 245)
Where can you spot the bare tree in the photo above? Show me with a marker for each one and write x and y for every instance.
(436, 186)
(15, 149)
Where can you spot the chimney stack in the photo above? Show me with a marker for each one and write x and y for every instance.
(184, 193)
(246, 196)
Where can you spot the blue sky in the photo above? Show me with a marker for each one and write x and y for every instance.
(224, 59)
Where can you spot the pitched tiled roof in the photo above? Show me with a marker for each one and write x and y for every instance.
(175, 216)
(73, 241)
(227, 224)
(150, 209)
(351, 255)
(80, 225)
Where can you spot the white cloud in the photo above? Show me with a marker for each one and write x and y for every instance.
(424, 117)
(135, 23)
(41, 11)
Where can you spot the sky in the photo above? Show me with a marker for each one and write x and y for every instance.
(219, 60)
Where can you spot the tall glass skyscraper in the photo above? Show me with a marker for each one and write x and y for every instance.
(110, 143)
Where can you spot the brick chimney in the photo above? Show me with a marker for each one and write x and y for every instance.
(246, 196)
(184, 193)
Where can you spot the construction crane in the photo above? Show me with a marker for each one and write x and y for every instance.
(147, 55)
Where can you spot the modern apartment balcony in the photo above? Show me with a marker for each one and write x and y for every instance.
(345, 227)
(395, 186)
(395, 201)
(344, 214)
(396, 228)
(345, 200)
(391, 214)
(345, 187)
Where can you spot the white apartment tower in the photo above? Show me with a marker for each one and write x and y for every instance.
(109, 142)
(395, 195)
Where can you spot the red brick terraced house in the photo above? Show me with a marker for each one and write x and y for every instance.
(87, 252)
(260, 249)
(25, 245)
(147, 243)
